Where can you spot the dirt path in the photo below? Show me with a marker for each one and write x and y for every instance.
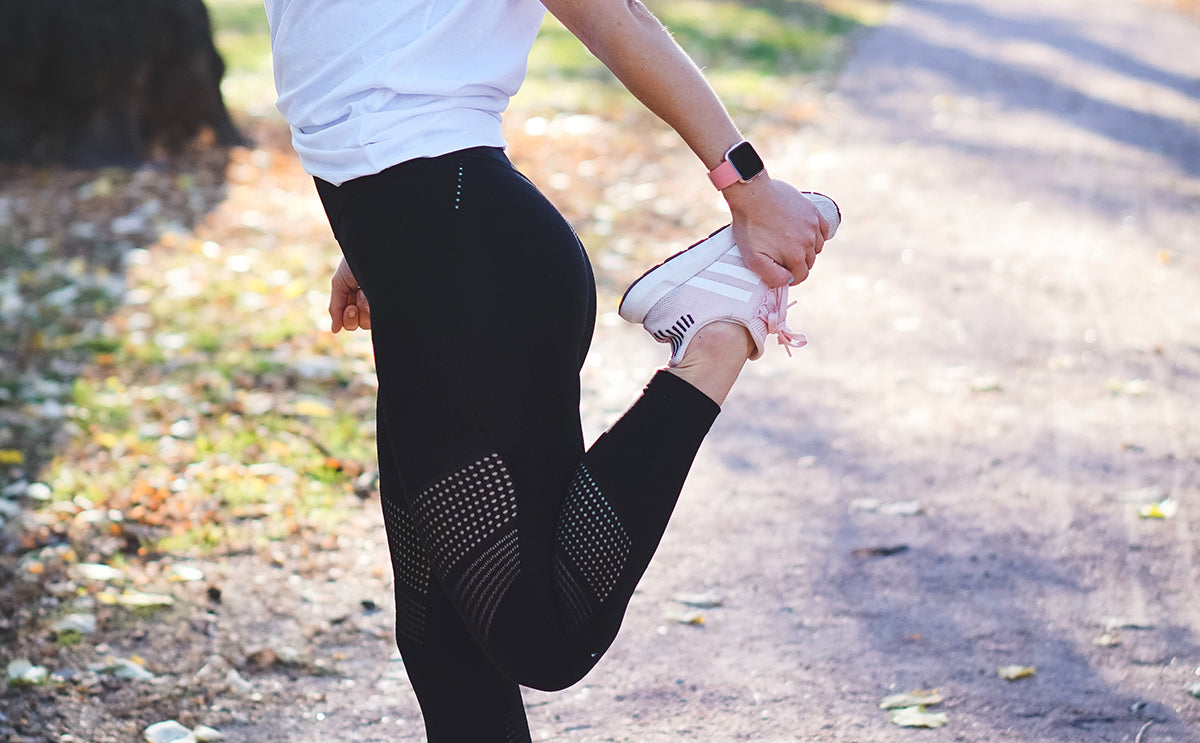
(1006, 334)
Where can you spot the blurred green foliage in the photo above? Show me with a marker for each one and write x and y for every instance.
(743, 45)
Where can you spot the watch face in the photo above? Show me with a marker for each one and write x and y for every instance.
(745, 161)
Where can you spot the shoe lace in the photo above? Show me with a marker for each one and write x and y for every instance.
(774, 313)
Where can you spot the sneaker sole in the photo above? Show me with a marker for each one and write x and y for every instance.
(659, 281)
(675, 271)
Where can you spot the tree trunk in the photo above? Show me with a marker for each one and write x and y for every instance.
(105, 82)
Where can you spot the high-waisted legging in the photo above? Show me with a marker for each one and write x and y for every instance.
(515, 551)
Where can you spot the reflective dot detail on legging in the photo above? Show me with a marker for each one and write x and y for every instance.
(591, 536)
(411, 568)
(463, 510)
(470, 521)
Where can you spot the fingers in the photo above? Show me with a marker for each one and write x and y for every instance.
(349, 311)
(350, 318)
(797, 267)
(800, 273)
(786, 259)
(808, 254)
(364, 311)
(348, 308)
(773, 272)
(338, 302)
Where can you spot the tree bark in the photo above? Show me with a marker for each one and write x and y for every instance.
(106, 82)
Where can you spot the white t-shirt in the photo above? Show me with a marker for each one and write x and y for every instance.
(367, 84)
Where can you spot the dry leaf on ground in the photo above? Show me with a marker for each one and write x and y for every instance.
(685, 616)
(1016, 673)
(914, 698)
(1164, 509)
(918, 717)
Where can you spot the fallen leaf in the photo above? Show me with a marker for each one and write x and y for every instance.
(185, 573)
(914, 698)
(205, 734)
(986, 384)
(699, 600)
(139, 600)
(39, 491)
(1016, 673)
(21, 672)
(918, 717)
(685, 616)
(97, 572)
(11, 457)
(84, 624)
(1107, 640)
(313, 408)
(902, 508)
(1133, 387)
(168, 731)
(1164, 509)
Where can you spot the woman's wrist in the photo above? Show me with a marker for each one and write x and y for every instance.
(743, 194)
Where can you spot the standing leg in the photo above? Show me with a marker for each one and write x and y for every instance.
(482, 303)
(463, 696)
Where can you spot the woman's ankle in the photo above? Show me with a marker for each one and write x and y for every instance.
(714, 358)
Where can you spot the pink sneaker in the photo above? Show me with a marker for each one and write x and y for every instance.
(707, 283)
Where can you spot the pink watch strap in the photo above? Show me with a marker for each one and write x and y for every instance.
(724, 175)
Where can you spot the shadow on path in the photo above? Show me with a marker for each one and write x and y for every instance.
(1013, 87)
(1061, 37)
(990, 576)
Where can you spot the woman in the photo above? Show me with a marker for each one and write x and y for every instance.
(515, 551)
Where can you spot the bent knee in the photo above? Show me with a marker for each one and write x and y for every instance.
(551, 675)
(547, 666)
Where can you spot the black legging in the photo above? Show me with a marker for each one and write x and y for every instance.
(515, 551)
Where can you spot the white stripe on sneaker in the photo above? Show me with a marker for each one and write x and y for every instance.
(736, 271)
(716, 287)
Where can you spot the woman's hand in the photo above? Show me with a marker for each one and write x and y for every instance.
(348, 306)
(777, 229)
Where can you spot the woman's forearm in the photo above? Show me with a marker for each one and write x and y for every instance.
(633, 44)
(777, 230)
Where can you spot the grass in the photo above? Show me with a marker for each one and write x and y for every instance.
(241, 35)
(201, 406)
(240, 32)
(753, 53)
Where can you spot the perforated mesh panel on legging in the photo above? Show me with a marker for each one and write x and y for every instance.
(515, 551)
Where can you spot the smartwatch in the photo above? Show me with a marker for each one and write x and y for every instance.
(740, 164)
